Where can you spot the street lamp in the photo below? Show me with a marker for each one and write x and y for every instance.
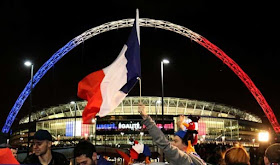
(164, 61)
(29, 64)
(74, 103)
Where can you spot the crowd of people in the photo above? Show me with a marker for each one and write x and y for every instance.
(183, 150)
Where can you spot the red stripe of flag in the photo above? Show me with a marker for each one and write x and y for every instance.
(89, 89)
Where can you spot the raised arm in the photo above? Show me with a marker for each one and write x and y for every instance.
(180, 122)
(172, 153)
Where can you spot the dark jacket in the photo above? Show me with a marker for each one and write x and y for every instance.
(57, 159)
(102, 161)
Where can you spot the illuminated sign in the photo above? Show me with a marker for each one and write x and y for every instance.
(106, 126)
(112, 125)
(130, 126)
(166, 126)
(134, 126)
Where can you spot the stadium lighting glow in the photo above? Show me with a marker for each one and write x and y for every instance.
(263, 136)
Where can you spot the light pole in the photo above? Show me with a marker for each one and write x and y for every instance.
(74, 103)
(141, 137)
(164, 61)
(122, 133)
(29, 64)
(156, 108)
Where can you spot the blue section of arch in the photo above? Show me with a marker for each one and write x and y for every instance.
(40, 73)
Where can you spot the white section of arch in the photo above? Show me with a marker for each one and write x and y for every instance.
(145, 22)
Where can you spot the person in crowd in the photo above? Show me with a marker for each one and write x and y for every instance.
(272, 155)
(14, 151)
(12, 148)
(85, 154)
(42, 151)
(190, 135)
(31, 151)
(7, 157)
(175, 152)
(253, 155)
(236, 155)
(139, 153)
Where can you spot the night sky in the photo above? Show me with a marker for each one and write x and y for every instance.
(247, 32)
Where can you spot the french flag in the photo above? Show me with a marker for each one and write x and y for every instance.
(105, 89)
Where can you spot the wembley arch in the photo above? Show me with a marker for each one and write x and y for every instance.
(144, 22)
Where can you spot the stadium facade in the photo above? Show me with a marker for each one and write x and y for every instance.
(218, 122)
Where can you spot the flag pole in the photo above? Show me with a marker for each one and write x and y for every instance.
(138, 33)
(137, 25)
(140, 88)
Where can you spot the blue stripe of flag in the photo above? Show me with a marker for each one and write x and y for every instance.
(132, 55)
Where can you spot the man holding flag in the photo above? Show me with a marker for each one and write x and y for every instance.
(105, 89)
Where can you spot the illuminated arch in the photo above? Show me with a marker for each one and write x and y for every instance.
(145, 22)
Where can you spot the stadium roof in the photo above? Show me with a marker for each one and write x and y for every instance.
(129, 106)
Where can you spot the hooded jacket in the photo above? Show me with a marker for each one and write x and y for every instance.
(174, 155)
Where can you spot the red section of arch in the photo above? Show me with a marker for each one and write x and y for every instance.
(244, 78)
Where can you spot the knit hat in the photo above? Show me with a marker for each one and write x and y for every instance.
(181, 134)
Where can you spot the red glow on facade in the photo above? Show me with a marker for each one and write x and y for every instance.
(166, 126)
(85, 130)
(201, 128)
